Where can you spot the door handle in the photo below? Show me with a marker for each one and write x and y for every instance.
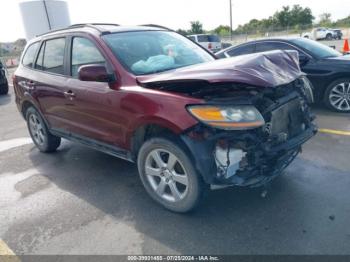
(69, 94)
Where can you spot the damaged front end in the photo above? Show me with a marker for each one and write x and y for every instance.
(253, 157)
(254, 118)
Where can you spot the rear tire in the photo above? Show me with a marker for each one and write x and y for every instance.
(168, 175)
(329, 37)
(337, 95)
(4, 89)
(39, 132)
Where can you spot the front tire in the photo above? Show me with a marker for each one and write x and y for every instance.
(39, 132)
(337, 95)
(168, 175)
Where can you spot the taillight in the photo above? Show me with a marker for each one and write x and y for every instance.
(210, 46)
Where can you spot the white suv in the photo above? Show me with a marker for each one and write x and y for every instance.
(210, 42)
(319, 33)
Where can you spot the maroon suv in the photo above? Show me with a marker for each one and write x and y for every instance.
(149, 95)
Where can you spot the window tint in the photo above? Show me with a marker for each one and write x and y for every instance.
(193, 38)
(268, 46)
(242, 50)
(51, 56)
(28, 58)
(84, 52)
(208, 38)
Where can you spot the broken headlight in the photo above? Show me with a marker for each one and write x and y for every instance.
(228, 117)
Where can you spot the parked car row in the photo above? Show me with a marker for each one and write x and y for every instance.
(208, 41)
(4, 87)
(153, 97)
(327, 69)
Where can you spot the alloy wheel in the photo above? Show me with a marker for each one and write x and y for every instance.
(166, 175)
(37, 129)
(339, 96)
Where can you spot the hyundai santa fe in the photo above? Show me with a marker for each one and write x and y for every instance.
(153, 97)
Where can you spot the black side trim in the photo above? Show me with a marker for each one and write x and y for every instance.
(94, 144)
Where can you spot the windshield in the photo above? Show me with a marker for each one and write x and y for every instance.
(316, 49)
(147, 52)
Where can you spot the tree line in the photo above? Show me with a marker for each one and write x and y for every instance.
(293, 17)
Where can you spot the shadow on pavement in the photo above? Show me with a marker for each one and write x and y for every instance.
(5, 99)
(231, 221)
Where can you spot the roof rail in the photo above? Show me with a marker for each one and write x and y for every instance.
(91, 25)
(158, 26)
(84, 25)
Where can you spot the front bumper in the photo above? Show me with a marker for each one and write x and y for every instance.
(253, 157)
(262, 163)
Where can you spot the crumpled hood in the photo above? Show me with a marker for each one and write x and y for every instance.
(266, 69)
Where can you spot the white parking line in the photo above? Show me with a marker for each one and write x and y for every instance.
(5, 250)
(12, 143)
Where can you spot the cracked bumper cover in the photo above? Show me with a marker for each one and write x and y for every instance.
(258, 171)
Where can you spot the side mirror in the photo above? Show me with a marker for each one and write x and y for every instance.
(303, 59)
(94, 73)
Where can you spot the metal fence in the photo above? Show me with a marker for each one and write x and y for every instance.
(10, 58)
(272, 32)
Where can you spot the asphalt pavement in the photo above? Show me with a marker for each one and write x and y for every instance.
(80, 201)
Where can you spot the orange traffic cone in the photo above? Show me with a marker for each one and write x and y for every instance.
(346, 48)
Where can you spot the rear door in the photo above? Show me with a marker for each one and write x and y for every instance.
(49, 80)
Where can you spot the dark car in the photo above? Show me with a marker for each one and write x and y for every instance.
(151, 96)
(4, 87)
(327, 69)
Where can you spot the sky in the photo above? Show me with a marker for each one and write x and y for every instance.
(171, 13)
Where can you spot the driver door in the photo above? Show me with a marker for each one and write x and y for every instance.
(89, 103)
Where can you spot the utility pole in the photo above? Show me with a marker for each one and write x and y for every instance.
(231, 19)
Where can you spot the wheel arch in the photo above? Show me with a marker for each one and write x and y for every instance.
(27, 104)
(146, 131)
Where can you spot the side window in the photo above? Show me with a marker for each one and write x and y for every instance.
(28, 58)
(242, 50)
(268, 46)
(203, 38)
(51, 56)
(84, 52)
(193, 38)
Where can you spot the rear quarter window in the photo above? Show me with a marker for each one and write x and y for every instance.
(29, 55)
